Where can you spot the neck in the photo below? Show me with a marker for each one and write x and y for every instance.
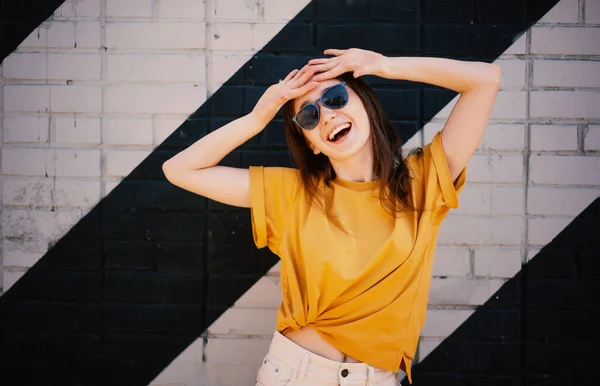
(358, 167)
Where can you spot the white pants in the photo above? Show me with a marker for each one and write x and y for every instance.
(290, 364)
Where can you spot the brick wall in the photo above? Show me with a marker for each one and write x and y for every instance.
(100, 85)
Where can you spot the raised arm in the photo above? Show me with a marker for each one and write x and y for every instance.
(195, 168)
(477, 83)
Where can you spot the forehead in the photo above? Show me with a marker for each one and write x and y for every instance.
(315, 93)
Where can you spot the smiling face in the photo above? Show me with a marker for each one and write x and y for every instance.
(353, 114)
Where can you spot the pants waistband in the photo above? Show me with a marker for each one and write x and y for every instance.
(306, 362)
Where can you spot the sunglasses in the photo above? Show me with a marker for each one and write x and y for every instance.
(333, 98)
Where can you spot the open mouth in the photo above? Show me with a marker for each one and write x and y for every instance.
(339, 133)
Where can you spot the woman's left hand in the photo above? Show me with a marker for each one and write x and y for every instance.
(360, 62)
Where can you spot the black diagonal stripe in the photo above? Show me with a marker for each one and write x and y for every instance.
(540, 328)
(143, 274)
(18, 18)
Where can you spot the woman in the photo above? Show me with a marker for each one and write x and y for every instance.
(355, 224)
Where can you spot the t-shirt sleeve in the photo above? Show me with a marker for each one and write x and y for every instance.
(432, 181)
(272, 193)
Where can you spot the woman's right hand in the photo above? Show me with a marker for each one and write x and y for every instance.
(294, 85)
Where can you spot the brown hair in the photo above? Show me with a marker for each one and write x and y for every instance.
(388, 162)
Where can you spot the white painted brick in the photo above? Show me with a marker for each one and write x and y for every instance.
(518, 47)
(497, 262)
(164, 127)
(19, 258)
(513, 73)
(181, 9)
(282, 10)
(77, 163)
(481, 230)
(462, 291)
(33, 128)
(236, 10)
(129, 131)
(110, 185)
(27, 192)
(491, 200)
(10, 277)
(224, 66)
(37, 38)
(442, 323)
(532, 252)
(23, 65)
(37, 228)
(151, 35)
(74, 66)
(265, 293)
(236, 351)
(565, 40)
(129, 8)
(508, 105)
(76, 99)
(76, 193)
(566, 73)
(497, 136)
(540, 231)
(452, 261)
(232, 374)
(154, 99)
(67, 34)
(70, 129)
(79, 9)
(187, 364)
(231, 36)
(503, 137)
(122, 162)
(564, 170)
(565, 104)
(559, 201)
(276, 269)
(565, 11)
(26, 162)
(26, 98)
(553, 137)
(592, 138)
(592, 11)
(495, 168)
(264, 32)
(246, 321)
(157, 68)
(426, 346)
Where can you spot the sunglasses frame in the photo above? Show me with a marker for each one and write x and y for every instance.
(295, 120)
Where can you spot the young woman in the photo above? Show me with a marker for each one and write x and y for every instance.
(355, 224)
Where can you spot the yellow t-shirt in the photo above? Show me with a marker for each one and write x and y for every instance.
(364, 291)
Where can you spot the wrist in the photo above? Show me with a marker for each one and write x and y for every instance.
(256, 122)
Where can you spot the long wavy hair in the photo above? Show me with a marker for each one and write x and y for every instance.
(388, 162)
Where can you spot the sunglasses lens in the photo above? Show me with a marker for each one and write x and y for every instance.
(336, 97)
(308, 117)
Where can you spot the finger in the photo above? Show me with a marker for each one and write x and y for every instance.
(303, 90)
(325, 66)
(291, 75)
(320, 60)
(334, 51)
(334, 72)
(308, 73)
(300, 73)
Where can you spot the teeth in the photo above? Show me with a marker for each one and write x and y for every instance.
(337, 130)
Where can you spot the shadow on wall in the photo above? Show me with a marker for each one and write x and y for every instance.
(150, 267)
(541, 328)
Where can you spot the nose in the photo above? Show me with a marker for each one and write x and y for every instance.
(327, 114)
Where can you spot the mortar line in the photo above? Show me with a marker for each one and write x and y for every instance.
(581, 11)
(208, 52)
